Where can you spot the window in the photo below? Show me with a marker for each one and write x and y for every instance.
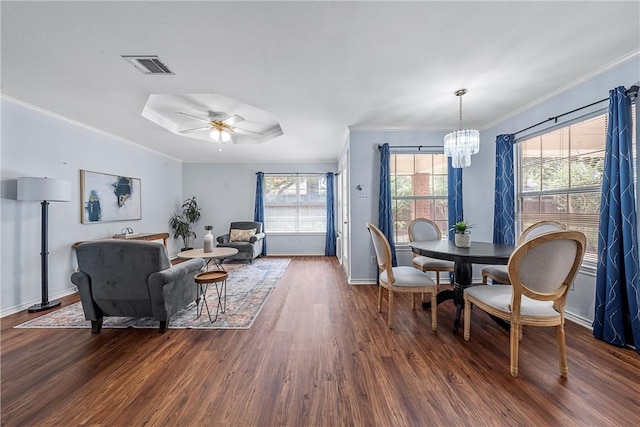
(560, 177)
(295, 203)
(418, 190)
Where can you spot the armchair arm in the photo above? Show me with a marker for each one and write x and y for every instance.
(178, 272)
(223, 239)
(172, 289)
(83, 283)
(257, 237)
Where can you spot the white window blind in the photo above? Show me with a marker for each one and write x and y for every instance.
(295, 203)
(560, 178)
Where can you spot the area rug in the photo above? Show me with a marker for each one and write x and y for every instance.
(248, 287)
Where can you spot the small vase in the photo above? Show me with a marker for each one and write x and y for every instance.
(208, 242)
(463, 240)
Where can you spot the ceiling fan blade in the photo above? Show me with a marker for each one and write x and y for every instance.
(194, 117)
(247, 132)
(195, 129)
(232, 120)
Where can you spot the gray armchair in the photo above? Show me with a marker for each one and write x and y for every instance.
(249, 245)
(132, 279)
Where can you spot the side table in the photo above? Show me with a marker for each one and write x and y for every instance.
(219, 279)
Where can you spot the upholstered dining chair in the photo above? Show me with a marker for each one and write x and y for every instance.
(541, 272)
(421, 229)
(498, 273)
(402, 279)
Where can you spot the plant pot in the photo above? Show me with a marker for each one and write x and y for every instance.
(462, 240)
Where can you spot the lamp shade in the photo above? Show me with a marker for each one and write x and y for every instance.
(49, 189)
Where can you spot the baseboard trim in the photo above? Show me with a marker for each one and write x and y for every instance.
(362, 281)
(19, 308)
(295, 255)
(582, 321)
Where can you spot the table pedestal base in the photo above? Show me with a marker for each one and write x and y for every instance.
(463, 273)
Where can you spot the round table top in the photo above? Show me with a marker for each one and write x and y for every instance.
(211, 276)
(200, 253)
(478, 253)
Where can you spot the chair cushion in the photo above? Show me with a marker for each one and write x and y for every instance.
(423, 261)
(408, 276)
(499, 297)
(498, 271)
(240, 246)
(236, 235)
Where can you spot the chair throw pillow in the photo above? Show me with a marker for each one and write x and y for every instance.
(241, 235)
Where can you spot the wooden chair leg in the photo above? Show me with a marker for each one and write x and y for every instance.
(379, 298)
(484, 279)
(513, 344)
(467, 319)
(389, 321)
(562, 350)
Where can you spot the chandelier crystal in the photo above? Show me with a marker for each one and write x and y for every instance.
(461, 144)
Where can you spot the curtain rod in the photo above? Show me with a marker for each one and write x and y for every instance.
(407, 146)
(292, 173)
(633, 91)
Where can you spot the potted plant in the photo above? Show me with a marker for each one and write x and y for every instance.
(181, 222)
(462, 235)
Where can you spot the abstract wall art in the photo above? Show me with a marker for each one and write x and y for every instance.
(107, 197)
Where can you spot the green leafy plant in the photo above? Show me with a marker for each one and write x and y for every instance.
(181, 222)
(461, 227)
(208, 227)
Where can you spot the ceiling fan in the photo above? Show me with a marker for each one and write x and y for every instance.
(221, 126)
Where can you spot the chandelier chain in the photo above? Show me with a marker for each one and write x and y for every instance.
(460, 112)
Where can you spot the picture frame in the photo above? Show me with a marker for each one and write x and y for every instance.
(107, 197)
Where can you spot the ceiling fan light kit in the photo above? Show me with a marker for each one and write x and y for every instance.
(219, 135)
(461, 144)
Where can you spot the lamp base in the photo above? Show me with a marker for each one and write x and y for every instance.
(41, 307)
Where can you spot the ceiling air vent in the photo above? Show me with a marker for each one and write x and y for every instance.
(148, 64)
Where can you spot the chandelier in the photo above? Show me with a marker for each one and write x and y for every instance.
(461, 144)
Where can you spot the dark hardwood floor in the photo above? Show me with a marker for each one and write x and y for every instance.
(318, 354)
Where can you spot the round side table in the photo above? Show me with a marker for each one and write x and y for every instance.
(219, 279)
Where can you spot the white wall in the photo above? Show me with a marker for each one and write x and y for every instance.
(226, 193)
(35, 143)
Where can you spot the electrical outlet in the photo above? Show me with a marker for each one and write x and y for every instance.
(373, 260)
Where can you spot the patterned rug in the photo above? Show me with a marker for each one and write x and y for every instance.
(248, 287)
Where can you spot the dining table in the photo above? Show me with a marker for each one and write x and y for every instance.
(463, 258)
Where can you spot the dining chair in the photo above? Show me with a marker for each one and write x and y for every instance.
(421, 229)
(402, 279)
(498, 273)
(541, 271)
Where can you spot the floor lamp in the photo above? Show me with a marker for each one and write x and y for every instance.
(45, 190)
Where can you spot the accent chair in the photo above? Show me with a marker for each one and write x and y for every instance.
(245, 236)
(132, 278)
